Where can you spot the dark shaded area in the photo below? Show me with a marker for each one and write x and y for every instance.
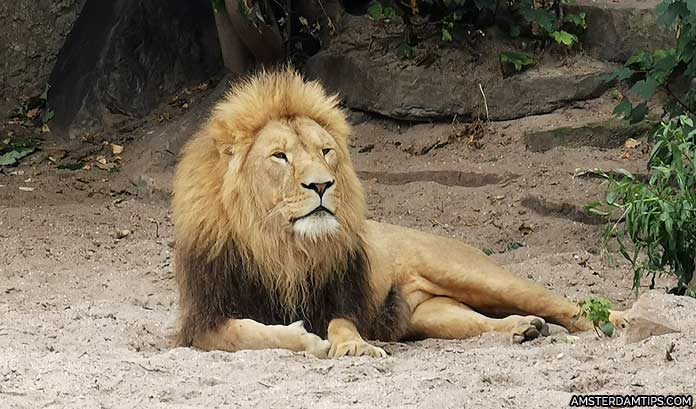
(564, 210)
(123, 57)
(610, 133)
(443, 177)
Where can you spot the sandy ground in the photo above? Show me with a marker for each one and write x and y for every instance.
(86, 318)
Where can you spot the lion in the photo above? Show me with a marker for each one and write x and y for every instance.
(273, 248)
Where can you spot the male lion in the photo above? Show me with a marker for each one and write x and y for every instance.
(272, 238)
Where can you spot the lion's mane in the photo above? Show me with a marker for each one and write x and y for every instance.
(227, 265)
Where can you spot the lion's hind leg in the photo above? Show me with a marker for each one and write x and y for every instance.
(239, 334)
(447, 318)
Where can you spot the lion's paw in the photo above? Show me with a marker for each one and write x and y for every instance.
(355, 348)
(529, 328)
(312, 343)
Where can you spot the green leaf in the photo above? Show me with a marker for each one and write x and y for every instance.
(645, 88)
(446, 36)
(620, 74)
(607, 329)
(691, 5)
(638, 113)
(643, 60)
(663, 68)
(544, 18)
(303, 21)
(624, 172)
(564, 37)
(375, 12)
(624, 108)
(488, 251)
(669, 11)
(577, 19)
(520, 60)
(406, 51)
(47, 116)
(13, 156)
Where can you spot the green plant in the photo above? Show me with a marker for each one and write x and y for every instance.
(656, 224)
(521, 61)
(380, 13)
(14, 150)
(455, 18)
(596, 310)
(660, 69)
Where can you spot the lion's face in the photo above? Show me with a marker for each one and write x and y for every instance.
(300, 180)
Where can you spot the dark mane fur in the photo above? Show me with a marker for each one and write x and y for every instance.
(227, 286)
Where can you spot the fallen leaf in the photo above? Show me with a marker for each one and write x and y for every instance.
(26, 189)
(626, 155)
(104, 166)
(33, 113)
(121, 234)
(13, 156)
(45, 129)
(185, 106)
(116, 149)
(100, 159)
(632, 143)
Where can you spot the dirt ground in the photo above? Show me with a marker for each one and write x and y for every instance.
(86, 318)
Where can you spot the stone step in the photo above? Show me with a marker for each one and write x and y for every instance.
(608, 133)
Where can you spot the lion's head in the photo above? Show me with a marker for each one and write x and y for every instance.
(271, 171)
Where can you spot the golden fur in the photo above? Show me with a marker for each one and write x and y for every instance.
(243, 184)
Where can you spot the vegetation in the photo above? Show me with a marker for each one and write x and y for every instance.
(457, 18)
(596, 310)
(454, 20)
(671, 70)
(656, 224)
(653, 220)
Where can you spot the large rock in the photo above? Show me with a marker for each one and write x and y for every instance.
(124, 56)
(442, 82)
(617, 29)
(31, 34)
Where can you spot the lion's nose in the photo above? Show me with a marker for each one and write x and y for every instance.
(320, 188)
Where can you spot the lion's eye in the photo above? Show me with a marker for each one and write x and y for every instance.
(281, 156)
(326, 151)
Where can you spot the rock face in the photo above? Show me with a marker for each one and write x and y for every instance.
(616, 30)
(365, 69)
(123, 56)
(31, 34)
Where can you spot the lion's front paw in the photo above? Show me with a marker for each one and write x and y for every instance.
(529, 328)
(355, 348)
(311, 343)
